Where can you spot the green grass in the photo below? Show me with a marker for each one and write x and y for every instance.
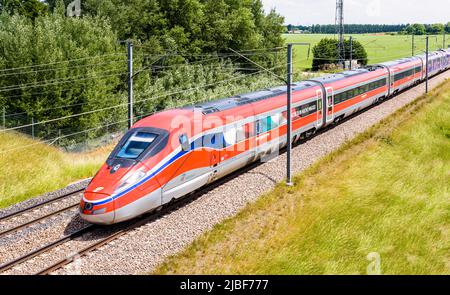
(387, 191)
(40, 168)
(380, 48)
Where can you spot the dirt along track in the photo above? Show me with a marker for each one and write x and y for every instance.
(140, 250)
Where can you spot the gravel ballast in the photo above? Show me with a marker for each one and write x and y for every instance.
(143, 249)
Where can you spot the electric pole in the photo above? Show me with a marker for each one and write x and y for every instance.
(443, 40)
(340, 30)
(130, 85)
(289, 115)
(426, 83)
(351, 52)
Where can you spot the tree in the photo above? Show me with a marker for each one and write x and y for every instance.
(416, 29)
(436, 29)
(325, 52)
(78, 67)
(29, 8)
(192, 26)
(447, 28)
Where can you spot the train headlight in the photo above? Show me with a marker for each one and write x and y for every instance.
(130, 181)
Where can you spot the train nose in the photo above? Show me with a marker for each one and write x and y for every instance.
(97, 208)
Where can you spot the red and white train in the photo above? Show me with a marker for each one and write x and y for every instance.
(173, 153)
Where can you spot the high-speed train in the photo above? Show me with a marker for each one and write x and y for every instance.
(175, 152)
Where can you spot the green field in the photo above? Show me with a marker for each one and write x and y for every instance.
(378, 205)
(379, 48)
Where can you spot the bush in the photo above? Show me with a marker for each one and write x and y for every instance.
(326, 53)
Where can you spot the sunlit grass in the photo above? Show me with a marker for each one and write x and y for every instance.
(379, 47)
(40, 168)
(386, 192)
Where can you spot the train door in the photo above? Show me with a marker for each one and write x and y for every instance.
(392, 81)
(319, 97)
(212, 144)
(330, 104)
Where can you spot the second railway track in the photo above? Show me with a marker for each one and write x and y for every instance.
(24, 214)
(118, 231)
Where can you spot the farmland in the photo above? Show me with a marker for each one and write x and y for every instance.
(379, 47)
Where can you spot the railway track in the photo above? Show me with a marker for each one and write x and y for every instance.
(39, 205)
(7, 266)
(38, 219)
(120, 231)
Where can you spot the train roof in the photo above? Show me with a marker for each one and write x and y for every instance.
(239, 100)
(399, 61)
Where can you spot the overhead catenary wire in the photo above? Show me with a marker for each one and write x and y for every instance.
(75, 79)
(81, 104)
(60, 68)
(60, 62)
(124, 104)
(203, 54)
(55, 139)
(85, 103)
(61, 82)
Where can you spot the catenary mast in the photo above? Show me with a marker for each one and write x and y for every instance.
(340, 30)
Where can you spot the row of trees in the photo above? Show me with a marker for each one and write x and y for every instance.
(418, 29)
(192, 26)
(348, 28)
(53, 66)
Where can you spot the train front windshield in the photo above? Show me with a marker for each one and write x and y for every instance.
(136, 145)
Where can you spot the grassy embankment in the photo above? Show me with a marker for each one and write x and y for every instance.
(40, 168)
(387, 191)
(379, 47)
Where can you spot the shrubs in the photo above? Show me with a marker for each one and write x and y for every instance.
(326, 53)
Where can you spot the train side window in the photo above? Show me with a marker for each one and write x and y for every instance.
(248, 128)
(263, 125)
(283, 118)
(230, 136)
(349, 94)
(337, 98)
(214, 141)
(360, 90)
(275, 121)
(297, 112)
(241, 134)
(259, 127)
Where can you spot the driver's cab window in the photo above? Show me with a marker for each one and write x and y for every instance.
(136, 145)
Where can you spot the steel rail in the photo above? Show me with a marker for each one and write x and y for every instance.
(19, 227)
(8, 265)
(39, 205)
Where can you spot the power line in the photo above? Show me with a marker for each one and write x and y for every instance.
(205, 55)
(58, 82)
(103, 126)
(55, 69)
(205, 85)
(60, 62)
(124, 104)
